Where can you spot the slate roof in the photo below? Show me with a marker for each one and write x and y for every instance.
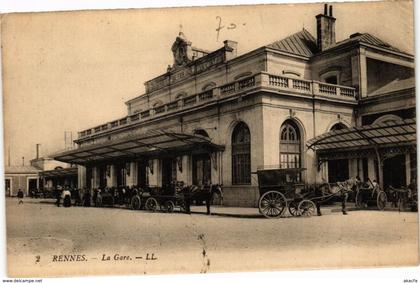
(395, 85)
(304, 44)
(301, 43)
(369, 39)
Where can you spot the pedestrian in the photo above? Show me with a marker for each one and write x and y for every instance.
(95, 195)
(86, 197)
(20, 196)
(119, 196)
(209, 193)
(77, 200)
(58, 196)
(187, 200)
(66, 197)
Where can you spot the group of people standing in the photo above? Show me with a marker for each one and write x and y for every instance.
(67, 194)
(123, 195)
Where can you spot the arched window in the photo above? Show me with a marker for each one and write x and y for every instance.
(290, 145)
(338, 126)
(201, 132)
(209, 86)
(241, 155)
(180, 96)
(387, 118)
(157, 104)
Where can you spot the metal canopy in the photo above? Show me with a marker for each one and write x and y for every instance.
(152, 143)
(60, 172)
(382, 135)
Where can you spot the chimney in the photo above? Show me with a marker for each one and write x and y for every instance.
(37, 150)
(325, 28)
(231, 48)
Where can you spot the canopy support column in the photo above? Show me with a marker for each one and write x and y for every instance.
(380, 168)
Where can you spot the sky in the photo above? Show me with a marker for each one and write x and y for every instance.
(69, 71)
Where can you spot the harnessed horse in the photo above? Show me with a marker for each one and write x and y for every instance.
(342, 190)
(205, 194)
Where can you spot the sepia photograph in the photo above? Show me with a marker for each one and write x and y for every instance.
(211, 139)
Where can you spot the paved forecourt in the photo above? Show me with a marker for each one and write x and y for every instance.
(43, 239)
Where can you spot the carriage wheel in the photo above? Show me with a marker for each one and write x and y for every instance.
(272, 204)
(135, 203)
(306, 208)
(381, 200)
(151, 204)
(168, 206)
(359, 200)
(293, 208)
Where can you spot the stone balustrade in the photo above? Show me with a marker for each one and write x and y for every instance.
(258, 81)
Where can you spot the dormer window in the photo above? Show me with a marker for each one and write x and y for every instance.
(331, 76)
(331, 80)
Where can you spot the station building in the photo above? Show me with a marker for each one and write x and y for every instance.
(53, 173)
(23, 177)
(338, 109)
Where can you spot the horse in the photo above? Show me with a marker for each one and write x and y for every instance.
(342, 190)
(200, 194)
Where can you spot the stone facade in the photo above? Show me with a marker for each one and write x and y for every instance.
(313, 88)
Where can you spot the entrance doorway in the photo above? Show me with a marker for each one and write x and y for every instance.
(8, 186)
(338, 170)
(168, 172)
(88, 178)
(32, 185)
(201, 169)
(102, 176)
(121, 172)
(394, 172)
(142, 176)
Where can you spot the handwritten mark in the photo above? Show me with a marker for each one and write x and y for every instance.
(38, 259)
(232, 26)
(220, 27)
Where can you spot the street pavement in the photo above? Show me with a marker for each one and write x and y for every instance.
(45, 240)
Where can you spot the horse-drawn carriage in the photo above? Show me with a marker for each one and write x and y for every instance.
(282, 190)
(155, 198)
(405, 198)
(174, 196)
(104, 197)
(167, 199)
(370, 194)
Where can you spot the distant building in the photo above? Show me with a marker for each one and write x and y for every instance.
(54, 173)
(338, 109)
(43, 173)
(20, 177)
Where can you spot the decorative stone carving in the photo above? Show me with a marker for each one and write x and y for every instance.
(181, 50)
